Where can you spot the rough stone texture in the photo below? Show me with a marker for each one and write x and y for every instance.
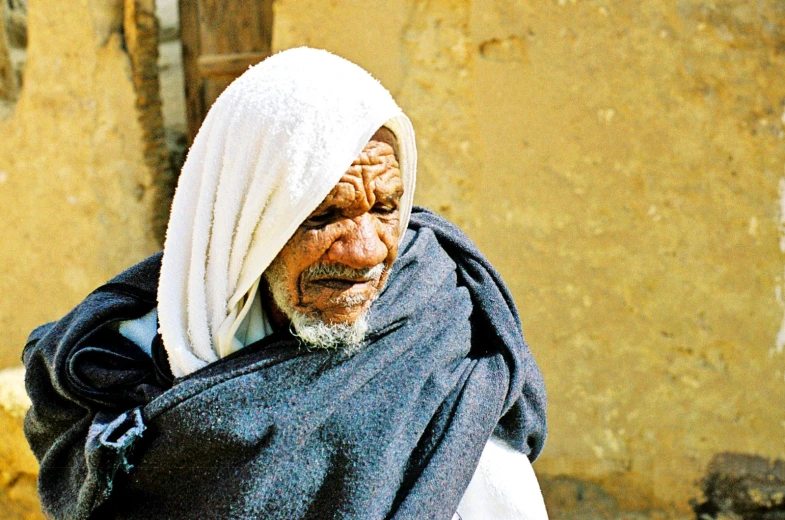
(172, 95)
(619, 163)
(170, 66)
(8, 85)
(13, 40)
(743, 486)
(75, 189)
(16, 23)
(18, 467)
(140, 29)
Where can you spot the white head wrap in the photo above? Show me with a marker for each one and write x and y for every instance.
(272, 147)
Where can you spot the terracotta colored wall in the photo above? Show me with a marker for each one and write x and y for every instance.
(619, 162)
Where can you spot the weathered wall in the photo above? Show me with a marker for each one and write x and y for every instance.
(13, 37)
(619, 162)
(76, 191)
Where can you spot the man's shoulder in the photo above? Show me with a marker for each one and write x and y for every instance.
(449, 236)
(425, 218)
(141, 277)
(130, 294)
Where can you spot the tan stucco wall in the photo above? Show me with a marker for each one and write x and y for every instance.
(619, 163)
(74, 187)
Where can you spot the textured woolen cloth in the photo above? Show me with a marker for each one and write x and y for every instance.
(273, 145)
(276, 431)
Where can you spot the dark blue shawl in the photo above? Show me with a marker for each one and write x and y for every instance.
(275, 430)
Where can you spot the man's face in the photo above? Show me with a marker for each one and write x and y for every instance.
(339, 259)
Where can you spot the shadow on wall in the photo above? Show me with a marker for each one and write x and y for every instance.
(172, 88)
(13, 42)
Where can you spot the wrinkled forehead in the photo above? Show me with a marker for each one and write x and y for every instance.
(374, 176)
(385, 135)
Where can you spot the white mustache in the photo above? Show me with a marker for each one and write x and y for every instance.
(322, 271)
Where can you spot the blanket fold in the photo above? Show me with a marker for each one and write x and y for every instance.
(276, 431)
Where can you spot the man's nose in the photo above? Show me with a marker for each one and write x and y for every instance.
(360, 245)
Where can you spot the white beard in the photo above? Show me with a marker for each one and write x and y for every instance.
(311, 330)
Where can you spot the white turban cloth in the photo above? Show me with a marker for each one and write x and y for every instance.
(271, 148)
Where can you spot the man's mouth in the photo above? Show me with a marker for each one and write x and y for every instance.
(341, 277)
(340, 284)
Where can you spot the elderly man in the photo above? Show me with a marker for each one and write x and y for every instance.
(307, 345)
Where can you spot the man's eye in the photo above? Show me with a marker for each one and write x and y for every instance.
(322, 219)
(384, 209)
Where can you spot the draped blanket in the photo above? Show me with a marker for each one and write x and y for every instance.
(277, 431)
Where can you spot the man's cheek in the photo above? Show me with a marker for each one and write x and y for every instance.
(391, 234)
(392, 252)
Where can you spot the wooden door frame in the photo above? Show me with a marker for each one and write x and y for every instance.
(220, 40)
